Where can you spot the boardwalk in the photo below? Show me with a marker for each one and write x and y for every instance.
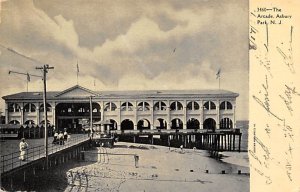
(11, 161)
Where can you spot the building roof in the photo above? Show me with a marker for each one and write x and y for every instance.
(81, 92)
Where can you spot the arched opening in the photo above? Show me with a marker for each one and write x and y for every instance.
(113, 125)
(193, 124)
(176, 124)
(176, 106)
(126, 106)
(160, 106)
(209, 105)
(29, 107)
(143, 106)
(127, 125)
(49, 109)
(75, 116)
(14, 107)
(42, 123)
(226, 123)
(209, 124)
(15, 122)
(29, 122)
(161, 123)
(192, 105)
(110, 106)
(143, 124)
(225, 105)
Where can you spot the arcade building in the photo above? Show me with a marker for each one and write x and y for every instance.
(125, 110)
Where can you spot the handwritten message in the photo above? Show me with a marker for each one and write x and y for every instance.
(274, 95)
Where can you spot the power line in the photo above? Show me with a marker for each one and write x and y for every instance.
(26, 74)
(20, 54)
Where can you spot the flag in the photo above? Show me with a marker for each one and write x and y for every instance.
(28, 77)
(218, 73)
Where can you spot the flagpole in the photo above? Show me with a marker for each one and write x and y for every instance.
(77, 71)
(219, 81)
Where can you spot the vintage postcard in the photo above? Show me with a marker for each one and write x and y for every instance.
(165, 95)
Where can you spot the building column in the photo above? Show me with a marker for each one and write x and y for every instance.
(168, 116)
(234, 120)
(218, 114)
(6, 113)
(152, 115)
(135, 116)
(22, 114)
(53, 114)
(37, 114)
(201, 114)
(119, 115)
(101, 113)
(184, 115)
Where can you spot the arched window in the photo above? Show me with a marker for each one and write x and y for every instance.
(176, 124)
(143, 106)
(15, 122)
(193, 124)
(160, 106)
(176, 106)
(14, 107)
(192, 105)
(225, 105)
(160, 123)
(29, 107)
(209, 124)
(110, 106)
(113, 125)
(127, 106)
(49, 109)
(209, 105)
(226, 123)
(143, 124)
(29, 122)
(127, 124)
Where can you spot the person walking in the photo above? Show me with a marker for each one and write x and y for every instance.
(55, 138)
(23, 149)
(61, 138)
(65, 135)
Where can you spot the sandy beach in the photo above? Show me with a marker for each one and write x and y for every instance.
(159, 169)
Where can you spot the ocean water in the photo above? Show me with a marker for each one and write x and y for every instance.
(244, 127)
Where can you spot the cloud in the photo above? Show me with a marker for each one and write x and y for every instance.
(126, 45)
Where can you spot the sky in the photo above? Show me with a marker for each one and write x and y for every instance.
(126, 45)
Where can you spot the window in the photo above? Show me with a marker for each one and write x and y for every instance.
(160, 106)
(143, 106)
(127, 106)
(176, 106)
(209, 105)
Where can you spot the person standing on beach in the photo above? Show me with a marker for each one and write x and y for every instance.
(23, 148)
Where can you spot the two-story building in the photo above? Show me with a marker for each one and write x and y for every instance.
(125, 110)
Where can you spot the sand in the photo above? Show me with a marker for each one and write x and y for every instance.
(159, 169)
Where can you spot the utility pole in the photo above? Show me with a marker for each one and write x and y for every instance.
(45, 69)
(27, 74)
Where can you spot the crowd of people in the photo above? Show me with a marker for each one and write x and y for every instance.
(61, 137)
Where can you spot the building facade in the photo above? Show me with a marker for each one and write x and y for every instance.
(125, 110)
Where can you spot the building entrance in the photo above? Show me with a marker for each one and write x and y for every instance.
(70, 115)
